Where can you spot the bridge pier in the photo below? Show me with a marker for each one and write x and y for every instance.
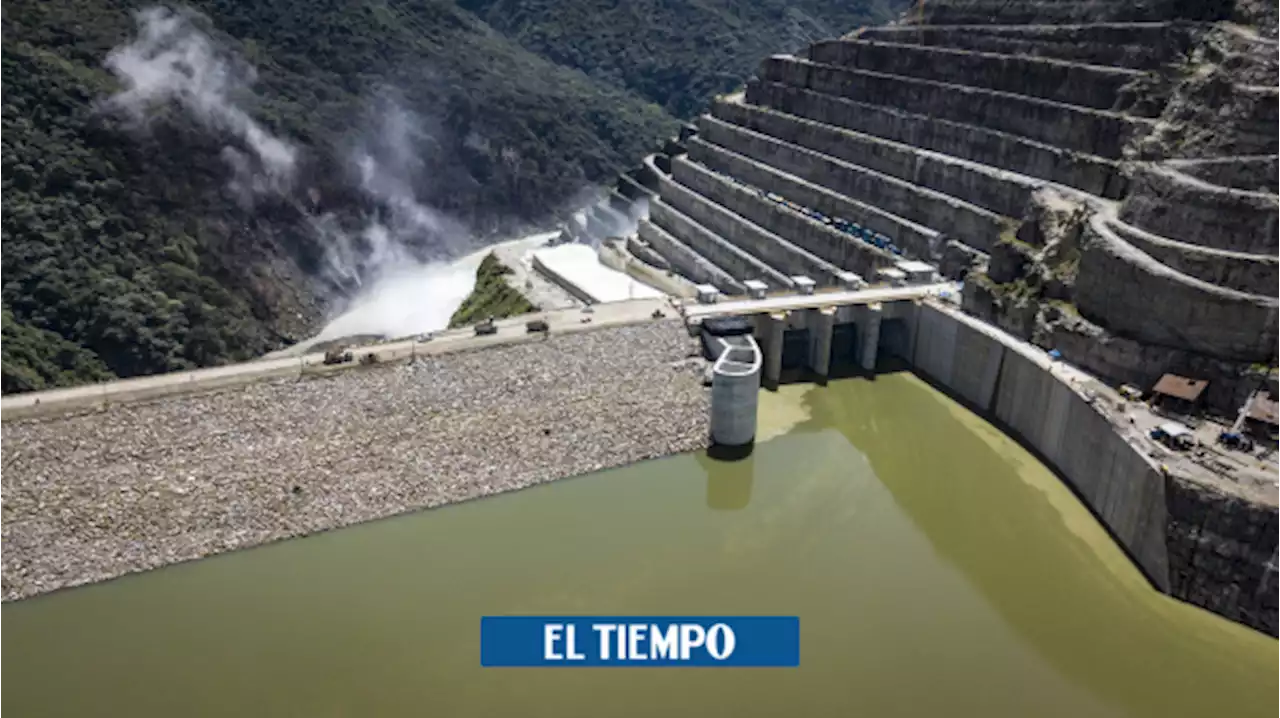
(823, 329)
(870, 335)
(773, 331)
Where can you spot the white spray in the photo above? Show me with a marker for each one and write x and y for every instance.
(173, 61)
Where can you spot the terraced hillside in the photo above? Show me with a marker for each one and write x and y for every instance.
(1102, 174)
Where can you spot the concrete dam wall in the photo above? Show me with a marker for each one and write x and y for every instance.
(1101, 176)
(1192, 542)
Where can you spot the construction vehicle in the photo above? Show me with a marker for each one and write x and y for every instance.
(340, 355)
(486, 328)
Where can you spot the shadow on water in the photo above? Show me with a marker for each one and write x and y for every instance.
(729, 480)
(845, 369)
(721, 452)
(976, 501)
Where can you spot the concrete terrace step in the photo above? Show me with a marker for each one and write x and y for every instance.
(629, 188)
(1140, 45)
(837, 247)
(686, 261)
(972, 225)
(716, 205)
(1000, 191)
(1064, 81)
(786, 239)
(619, 203)
(977, 12)
(615, 220)
(1243, 272)
(970, 142)
(1081, 129)
(736, 261)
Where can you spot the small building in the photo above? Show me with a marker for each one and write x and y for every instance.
(1174, 435)
(917, 272)
(1260, 422)
(1178, 393)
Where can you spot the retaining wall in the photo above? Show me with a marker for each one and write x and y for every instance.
(617, 256)
(688, 262)
(1253, 174)
(1144, 46)
(715, 204)
(1052, 12)
(997, 190)
(1176, 205)
(1074, 83)
(839, 248)
(633, 190)
(1258, 112)
(1221, 553)
(1072, 127)
(1192, 541)
(972, 142)
(820, 247)
(1013, 384)
(1250, 273)
(969, 223)
(1132, 294)
(739, 263)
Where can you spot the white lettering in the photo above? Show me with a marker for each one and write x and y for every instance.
(622, 640)
(691, 636)
(635, 636)
(721, 641)
(571, 644)
(604, 629)
(550, 635)
(662, 644)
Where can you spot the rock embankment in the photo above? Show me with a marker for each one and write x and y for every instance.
(97, 495)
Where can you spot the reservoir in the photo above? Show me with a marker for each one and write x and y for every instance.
(937, 569)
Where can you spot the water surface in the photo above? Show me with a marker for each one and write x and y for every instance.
(938, 569)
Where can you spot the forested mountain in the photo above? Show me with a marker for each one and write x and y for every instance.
(190, 185)
(676, 53)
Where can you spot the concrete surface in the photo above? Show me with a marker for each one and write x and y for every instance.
(792, 302)
(577, 268)
(1014, 384)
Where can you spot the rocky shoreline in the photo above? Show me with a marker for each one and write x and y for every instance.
(97, 495)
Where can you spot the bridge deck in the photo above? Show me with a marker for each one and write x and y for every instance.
(817, 300)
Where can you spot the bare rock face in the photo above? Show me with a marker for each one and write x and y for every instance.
(959, 259)
(1221, 548)
(1010, 261)
(1052, 218)
(1031, 276)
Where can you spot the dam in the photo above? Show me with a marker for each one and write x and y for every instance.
(955, 251)
(968, 568)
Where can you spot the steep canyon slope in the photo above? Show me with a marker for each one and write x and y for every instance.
(146, 225)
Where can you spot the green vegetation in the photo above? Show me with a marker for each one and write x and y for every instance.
(492, 297)
(675, 53)
(125, 253)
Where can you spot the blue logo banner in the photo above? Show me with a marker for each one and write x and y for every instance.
(578, 641)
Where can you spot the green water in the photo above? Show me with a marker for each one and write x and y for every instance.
(937, 568)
